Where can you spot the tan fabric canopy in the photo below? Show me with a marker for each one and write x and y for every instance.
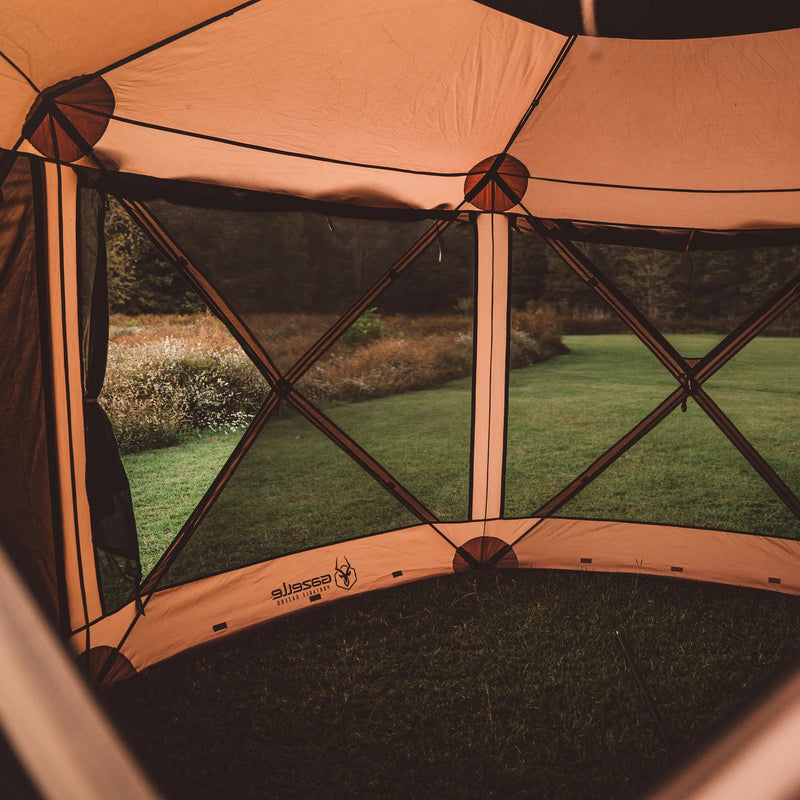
(693, 133)
(424, 104)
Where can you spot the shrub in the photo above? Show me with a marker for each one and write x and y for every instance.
(535, 335)
(170, 376)
(523, 350)
(157, 392)
(367, 328)
(540, 322)
(465, 305)
(389, 366)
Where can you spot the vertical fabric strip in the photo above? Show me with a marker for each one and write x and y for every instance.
(81, 577)
(490, 366)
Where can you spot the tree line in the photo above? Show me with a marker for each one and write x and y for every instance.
(306, 262)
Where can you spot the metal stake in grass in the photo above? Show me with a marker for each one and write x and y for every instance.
(646, 694)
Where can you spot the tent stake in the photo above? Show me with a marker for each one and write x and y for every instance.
(647, 699)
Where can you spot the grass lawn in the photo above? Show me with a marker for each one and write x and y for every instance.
(490, 685)
(505, 685)
(567, 412)
(295, 489)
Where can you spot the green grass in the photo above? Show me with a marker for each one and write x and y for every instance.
(167, 484)
(295, 489)
(685, 472)
(482, 685)
(504, 685)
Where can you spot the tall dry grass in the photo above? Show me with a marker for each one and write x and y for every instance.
(158, 390)
(171, 375)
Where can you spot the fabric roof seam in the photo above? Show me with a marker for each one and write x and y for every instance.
(429, 173)
(548, 79)
(266, 149)
(782, 235)
(21, 72)
(677, 189)
(164, 42)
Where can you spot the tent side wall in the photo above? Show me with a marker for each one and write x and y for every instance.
(82, 588)
(48, 241)
(29, 509)
(209, 608)
(213, 608)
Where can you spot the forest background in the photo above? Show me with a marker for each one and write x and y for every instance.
(307, 262)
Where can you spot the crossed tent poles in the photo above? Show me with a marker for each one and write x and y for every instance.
(689, 373)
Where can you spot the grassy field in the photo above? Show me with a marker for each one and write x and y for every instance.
(685, 472)
(295, 489)
(490, 685)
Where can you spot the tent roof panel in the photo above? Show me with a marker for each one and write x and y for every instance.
(51, 42)
(417, 86)
(663, 209)
(167, 156)
(392, 104)
(16, 97)
(701, 114)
